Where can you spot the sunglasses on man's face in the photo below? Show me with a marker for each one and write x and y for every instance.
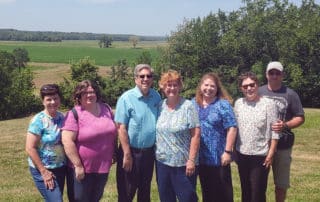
(274, 73)
(142, 76)
(252, 85)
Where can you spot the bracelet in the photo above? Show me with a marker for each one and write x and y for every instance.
(191, 160)
(228, 152)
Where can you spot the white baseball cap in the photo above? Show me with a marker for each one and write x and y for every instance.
(274, 65)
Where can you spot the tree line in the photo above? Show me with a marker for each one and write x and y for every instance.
(225, 43)
(18, 35)
(248, 39)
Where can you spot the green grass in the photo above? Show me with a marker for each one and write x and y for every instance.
(16, 183)
(69, 51)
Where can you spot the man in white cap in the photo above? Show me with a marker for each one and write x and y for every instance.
(291, 115)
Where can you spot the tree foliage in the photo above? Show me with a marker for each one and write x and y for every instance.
(247, 39)
(84, 69)
(134, 40)
(105, 41)
(17, 98)
(21, 57)
(18, 35)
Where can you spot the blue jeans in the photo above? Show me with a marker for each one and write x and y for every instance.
(173, 183)
(89, 189)
(54, 195)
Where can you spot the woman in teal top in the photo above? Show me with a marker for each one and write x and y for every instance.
(177, 143)
(43, 144)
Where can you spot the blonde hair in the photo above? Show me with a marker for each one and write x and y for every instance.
(170, 75)
(221, 92)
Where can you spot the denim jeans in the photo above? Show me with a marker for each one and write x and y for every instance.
(54, 195)
(173, 184)
(89, 189)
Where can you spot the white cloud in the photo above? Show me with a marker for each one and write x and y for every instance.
(7, 1)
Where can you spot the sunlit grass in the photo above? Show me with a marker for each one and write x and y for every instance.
(72, 51)
(16, 183)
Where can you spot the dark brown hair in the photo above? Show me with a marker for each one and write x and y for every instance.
(49, 89)
(221, 92)
(82, 87)
(246, 75)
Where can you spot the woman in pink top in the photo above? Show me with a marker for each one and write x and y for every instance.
(88, 136)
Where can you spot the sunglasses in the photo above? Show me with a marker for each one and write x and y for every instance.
(276, 73)
(142, 76)
(252, 85)
(49, 88)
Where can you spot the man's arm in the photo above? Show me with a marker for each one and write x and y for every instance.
(124, 141)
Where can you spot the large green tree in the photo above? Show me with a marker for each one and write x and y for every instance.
(247, 39)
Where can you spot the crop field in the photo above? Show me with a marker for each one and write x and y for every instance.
(69, 51)
(16, 183)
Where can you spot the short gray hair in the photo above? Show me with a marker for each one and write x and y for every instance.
(140, 67)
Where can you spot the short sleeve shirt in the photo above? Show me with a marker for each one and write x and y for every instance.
(139, 113)
(215, 120)
(95, 137)
(173, 133)
(287, 101)
(50, 148)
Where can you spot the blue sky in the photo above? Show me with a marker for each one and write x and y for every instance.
(140, 17)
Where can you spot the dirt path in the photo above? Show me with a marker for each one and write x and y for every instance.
(55, 72)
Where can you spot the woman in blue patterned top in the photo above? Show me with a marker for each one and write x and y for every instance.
(177, 142)
(43, 144)
(218, 134)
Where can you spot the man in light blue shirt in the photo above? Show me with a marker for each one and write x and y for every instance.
(136, 116)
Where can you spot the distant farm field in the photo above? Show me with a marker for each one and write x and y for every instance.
(69, 51)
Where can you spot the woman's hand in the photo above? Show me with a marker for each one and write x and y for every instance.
(48, 178)
(79, 172)
(268, 161)
(225, 159)
(190, 167)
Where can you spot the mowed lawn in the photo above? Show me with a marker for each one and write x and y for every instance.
(71, 51)
(51, 62)
(16, 183)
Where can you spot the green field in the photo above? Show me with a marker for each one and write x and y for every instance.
(69, 51)
(16, 183)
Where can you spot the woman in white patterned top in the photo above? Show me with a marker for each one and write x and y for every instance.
(256, 142)
(177, 142)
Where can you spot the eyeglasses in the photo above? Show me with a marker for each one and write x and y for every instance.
(276, 73)
(88, 93)
(252, 85)
(142, 76)
(48, 88)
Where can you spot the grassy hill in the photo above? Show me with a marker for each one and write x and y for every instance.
(16, 183)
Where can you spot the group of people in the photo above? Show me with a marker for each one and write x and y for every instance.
(182, 138)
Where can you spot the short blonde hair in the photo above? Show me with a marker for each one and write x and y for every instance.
(170, 75)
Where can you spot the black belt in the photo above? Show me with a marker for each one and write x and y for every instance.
(139, 150)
